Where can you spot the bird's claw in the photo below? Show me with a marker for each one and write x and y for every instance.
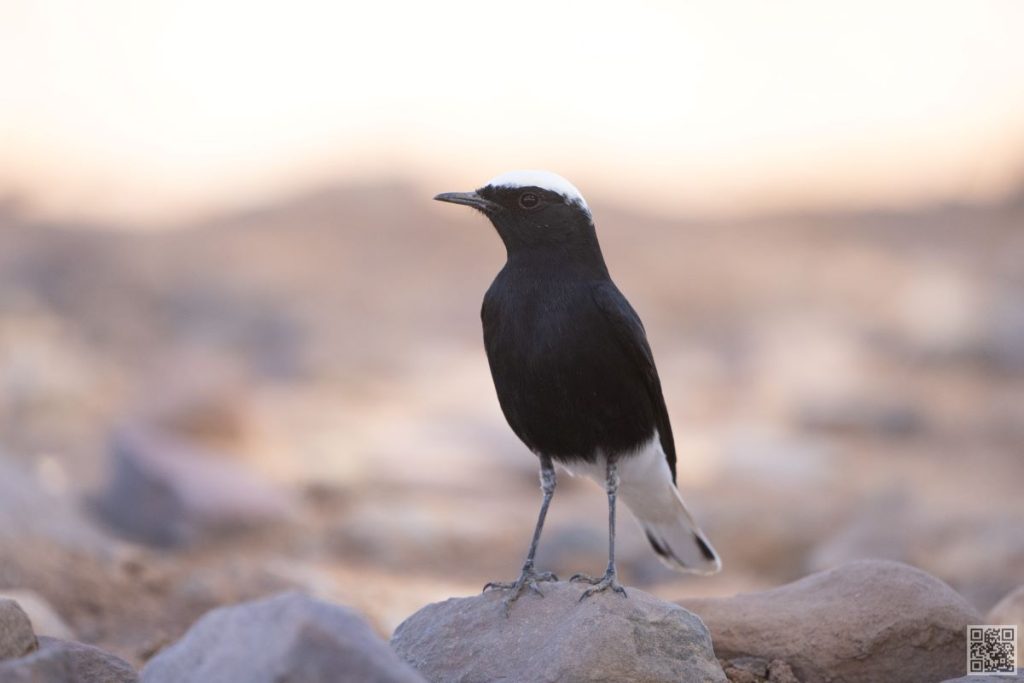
(583, 578)
(609, 581)
(528, 579)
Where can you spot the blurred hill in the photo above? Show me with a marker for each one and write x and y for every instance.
(341, 276)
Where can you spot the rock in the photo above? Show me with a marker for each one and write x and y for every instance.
(197, 396)
(853, 415)
(870, 533)
(44, 618)
(558, 638)
(169, 492)
(288, 637)
(780, 672)
(863, 622)
(746, 669)
(16, 636)
(1004, 341)
(61, 661)
(757, 670)
(1004, 678)
(977, 554)
(1009, 610)
(31, 513)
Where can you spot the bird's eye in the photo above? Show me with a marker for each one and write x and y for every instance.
(528, 200)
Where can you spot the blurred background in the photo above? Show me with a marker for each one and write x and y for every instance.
(240, 346)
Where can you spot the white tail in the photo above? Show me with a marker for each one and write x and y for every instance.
(646, 488)
(675, 537)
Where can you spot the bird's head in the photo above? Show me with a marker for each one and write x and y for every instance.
(531, 208)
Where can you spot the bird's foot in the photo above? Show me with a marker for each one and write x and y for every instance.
(608, 581)
(528, 579)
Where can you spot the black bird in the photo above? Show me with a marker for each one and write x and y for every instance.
(574, 373)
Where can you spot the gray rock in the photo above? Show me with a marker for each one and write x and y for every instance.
(1004, 342)
(166, 491)
(558, 638)
(1009, 610)
(44, 618)
(16, 636)
(1019, 678)
(863, 622)
(61, 661)
(289, 637)
(29, 512)
(855, 415)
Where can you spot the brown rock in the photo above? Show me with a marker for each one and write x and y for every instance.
(978, 556)
(863, 622)
(1009, 610)
(758, 670)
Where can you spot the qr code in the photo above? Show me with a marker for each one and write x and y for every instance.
(991, 650)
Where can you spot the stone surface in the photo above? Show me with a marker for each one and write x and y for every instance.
(1019, 678)
(44, 618)
(1009, 610)
(860, 415)
(289, 637)
(758, 670)
(166, 491)
(31, 511)
(61, 661)
(558, 638)
(863, 622)
(978, 555)
(16, 636)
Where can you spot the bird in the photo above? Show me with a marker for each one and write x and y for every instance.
(575, 375)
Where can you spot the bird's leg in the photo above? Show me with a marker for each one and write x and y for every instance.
(610, 578)
(529, 576)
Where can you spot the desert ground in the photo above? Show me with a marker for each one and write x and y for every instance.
(296, 395)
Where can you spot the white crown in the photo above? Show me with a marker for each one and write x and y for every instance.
(545, 180)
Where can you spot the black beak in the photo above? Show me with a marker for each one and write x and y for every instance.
(469, 199)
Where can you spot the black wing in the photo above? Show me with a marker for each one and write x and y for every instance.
(629, 333)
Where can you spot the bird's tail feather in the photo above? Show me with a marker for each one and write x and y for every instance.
(647, 489)
(674, 535)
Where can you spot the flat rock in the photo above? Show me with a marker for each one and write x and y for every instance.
(863, 622)
(16, 636)
(288, 637)
(44, 618)
(558, 638)
(61, 661)
(167, 491)
(1009, 610)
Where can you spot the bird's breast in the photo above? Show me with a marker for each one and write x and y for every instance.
(564, 385)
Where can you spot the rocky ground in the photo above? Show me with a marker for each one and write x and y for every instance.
(294, 398)
(862, 622)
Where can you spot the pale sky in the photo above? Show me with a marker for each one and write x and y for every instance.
(154, 110)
